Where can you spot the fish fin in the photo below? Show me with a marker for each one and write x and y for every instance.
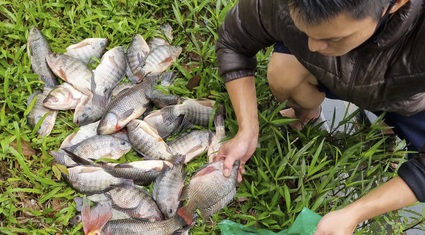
(78, 159)
(184, 195)
(99, 216)
(169, 114)
(185, 213)
(123, 165)
(100, 100)
(126, 114)
(167, 78)
(186, 227)
(85, 214)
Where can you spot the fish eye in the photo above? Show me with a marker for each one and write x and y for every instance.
(170, 211)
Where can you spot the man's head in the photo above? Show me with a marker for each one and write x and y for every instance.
(335, 27)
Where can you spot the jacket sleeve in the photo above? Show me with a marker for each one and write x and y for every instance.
(240, 37)
(413, 173)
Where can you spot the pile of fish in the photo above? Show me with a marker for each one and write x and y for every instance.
(123, 104)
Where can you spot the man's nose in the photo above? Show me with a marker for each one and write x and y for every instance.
(316, 45)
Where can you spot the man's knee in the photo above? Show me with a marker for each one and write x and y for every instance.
(285, 73)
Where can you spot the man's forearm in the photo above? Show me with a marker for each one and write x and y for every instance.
(392, 195)
(244, 100)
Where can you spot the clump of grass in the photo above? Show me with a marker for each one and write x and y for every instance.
(288, 171)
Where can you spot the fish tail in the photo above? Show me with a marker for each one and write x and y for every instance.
(167, 78)
(185, 213)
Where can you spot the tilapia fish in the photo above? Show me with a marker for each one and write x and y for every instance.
(156, 42)
(128, 105)
(108, 74)
(92, 179)
(71, 70)
(83, 133)
(87, 111)
(38, 48)
(63, 97)
(209, 191)
(141, 172)
(158, 97)
(101, 146)
(39, 113)
(136, 202)
(160, 59)
(168, 187)
(136, 55)
(136, 227)
(147, 142)
(191, 144)
(156, 121)
(88, 48)
(197, 112)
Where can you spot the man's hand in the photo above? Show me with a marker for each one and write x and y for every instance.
(241, 147)
(336, 223)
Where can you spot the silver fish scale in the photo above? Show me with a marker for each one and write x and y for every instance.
(155, 120)
(147, 144)
(87, 111)
(39, 48)
(211, 192)
(137, 52)
(160, 58)
(131, 102)
(167, 188)
(84, 132)
(139, 175)
(136, 227)
(90, 180)
(191, 144)
(88, 48)
(110, 71)
(63, 97)
(101, 146)
(72, 70)
(135, 202)
(197, 114)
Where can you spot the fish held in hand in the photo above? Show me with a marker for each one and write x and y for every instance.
(209, 191)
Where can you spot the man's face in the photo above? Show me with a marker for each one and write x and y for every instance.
(338, 36)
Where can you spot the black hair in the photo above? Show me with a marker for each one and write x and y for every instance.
(313, 12)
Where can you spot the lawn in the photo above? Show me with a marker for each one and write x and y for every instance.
(316, 169)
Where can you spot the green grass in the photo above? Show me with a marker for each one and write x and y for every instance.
(286, 173)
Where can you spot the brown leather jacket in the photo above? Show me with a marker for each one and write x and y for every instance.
(388, 74)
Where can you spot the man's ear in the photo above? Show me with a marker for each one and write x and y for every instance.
(397, 5)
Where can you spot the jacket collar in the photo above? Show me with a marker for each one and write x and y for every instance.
(399, 24)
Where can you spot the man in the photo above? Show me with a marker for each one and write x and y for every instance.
(370, 53)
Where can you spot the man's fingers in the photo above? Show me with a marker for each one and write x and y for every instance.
(228, 165)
